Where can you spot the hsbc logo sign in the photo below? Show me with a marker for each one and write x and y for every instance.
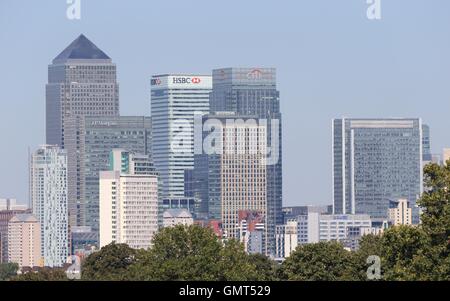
(186, 80)
(156, 82)
(196, 80)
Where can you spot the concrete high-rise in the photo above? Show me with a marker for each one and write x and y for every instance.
(175, 100)
(374, 161)
(128, 201)
(253, 91)
(81, 82)
(232, 177)
(98, 136)
(24, 241)
(48, 191)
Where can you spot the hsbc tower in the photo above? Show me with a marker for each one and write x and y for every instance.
(175, 100)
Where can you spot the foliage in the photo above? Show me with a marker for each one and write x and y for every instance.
(193, 253)
(112, 262)
(321, 261)
(42, 274)
(8, 270)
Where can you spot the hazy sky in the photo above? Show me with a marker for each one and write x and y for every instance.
(331, 62)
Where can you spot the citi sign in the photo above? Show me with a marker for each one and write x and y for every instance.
(186, 80)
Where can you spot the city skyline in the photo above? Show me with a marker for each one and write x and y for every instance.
(417, 94)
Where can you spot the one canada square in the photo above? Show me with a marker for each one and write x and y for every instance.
(81, 82)
(253, 91)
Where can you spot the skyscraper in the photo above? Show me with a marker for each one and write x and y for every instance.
(98, 136)
(128, 201)
(253, 91)
(233, 177)
(175, 99)
(48, 190)
(81, 82)
(374, 161)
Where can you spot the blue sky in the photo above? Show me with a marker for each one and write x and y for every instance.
(331, 62)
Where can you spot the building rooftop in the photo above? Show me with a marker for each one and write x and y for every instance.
(81, 49)
(23, 218)
(180, 213)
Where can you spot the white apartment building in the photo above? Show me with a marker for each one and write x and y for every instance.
(128, 204)
(48, 190)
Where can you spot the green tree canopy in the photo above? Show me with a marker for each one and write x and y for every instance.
(112, 262)
(326, 261)
(43, 274)
(8, 270)
(193, 253)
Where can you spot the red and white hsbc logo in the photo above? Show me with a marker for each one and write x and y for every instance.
(196, 80)
(186, 80)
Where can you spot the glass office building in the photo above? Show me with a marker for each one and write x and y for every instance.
(175, 99)
(253, 91)
(98, 137)
(374, 161)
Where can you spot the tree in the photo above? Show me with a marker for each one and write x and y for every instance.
(112, 263)
(8, 270)
(193, 253)
(404, 250)
(320, 261)
(435, 204)
(43, 274)
(369, 245)
(267, 268)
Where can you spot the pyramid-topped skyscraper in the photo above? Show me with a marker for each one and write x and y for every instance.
(81, 49)
(82, 82)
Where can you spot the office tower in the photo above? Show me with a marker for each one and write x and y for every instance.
(251, 231)
(99, 135)
(399, 212)
(24, 240)
(232, 177)
(426, 143)
(175, 99)
(81, 82)
(48, 191)
(8, 209)
(253, 91)
(128, 201)
(374, 161)
(173, 217)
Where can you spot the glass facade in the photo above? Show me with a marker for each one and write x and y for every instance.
(374, 161)
(99, 136)
(175, 99)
